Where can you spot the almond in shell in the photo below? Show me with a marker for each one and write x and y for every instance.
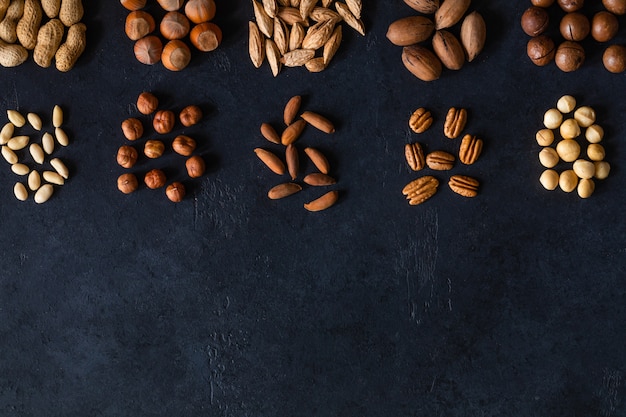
(423, 6)
(421, 62)
(450, 13)
(449, 50)
(273, 56)
(316, 64)
(256, 45)
(349, 18)
(473, 35)
(318, 34)
(297, 57)
(410, 30)
(332, 45)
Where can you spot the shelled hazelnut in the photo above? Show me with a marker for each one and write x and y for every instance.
(190, 115)
(132, 128)
(175, 192)
(195, 166)
(127, 183)
(147, 103)
(184, 145)
(163, 121)
(127, 156)
(153, 148)
(154, 179)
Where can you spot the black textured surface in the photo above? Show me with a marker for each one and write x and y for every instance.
(229, 304)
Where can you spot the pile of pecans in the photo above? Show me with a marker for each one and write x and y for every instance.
(31, 165)
(292, 167)
(182, 19)
(447, 50)
(421, 189)
(163, 122)
(295, 33)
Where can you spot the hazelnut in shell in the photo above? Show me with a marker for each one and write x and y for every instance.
(163, 121)
(174, 25)
(147, 103)
(604, 26)
(541, 50)
(127, 183)
(535, 21)
(614, 59)
(171, 5)
(132, 128)
(569, 56)
(127, 156)
(617, 7)
(200, 11)
(184, 145)
(195, 166)
(139, 24)
(133, 4)
(153, 149)
(190, 115)
(574, 26)
(175, 192)
(570, 5)
(176, 55)
(206, 36)
(148, 50)
(542, 3)
(154, 179)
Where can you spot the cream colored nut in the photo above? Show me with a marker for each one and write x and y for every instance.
(57, 116)
(568, 150)
(549, 179)
(603, 169)
(34, 120)
(37, 153)
(548, 157)
(61, 136)
(569, 129)
(53, 178)
(20, 169)
(44, 193)
(568, 180)
(34, 180)
(18, 142)
(545, 137)
(552, 119)
(60, 167)
(584, 169)
(585, 116)
(594, 134)
(566, 104)
(47, 142)
(595, 152)
(9, 155)
(20, 191)
(585, 188)
(16, 118)
(6, 133)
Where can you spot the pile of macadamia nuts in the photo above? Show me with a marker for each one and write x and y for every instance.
(574, 27)
(184, 22)
(565, 126)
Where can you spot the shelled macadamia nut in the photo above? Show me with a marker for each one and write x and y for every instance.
(568, 180)
(552, 118)
(549, 179)
(594, 134)
(545, 137)
(566, 104)
(568, 150)
(548, 157)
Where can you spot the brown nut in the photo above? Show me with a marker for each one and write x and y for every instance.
(174, 25)
(175, 192)
(199, 11)
(206, 36)
(138, 24)
(414, 155)
(570, 5)
(127, 156)
(535, 21)
(184, 145)
(127, 183)
(154, 179)
(440, 160)
(176, 55)
(153, 149)
(163, 121)
(464, 185)
(420, 190)
(410, 30)
(130, 4)
(449, 50)
(604, 26)
(617, 7)
(190, 115)
(423, 6)
(421, 62)
(132, 128)
(614, 59)
(147, 103)
(420, 120)
(541, 50)
(574, 26)
(195, 166)
(455, 122)
(542, 3)
(148, 50)
(171, 5)
(470, 150)
(569, 56)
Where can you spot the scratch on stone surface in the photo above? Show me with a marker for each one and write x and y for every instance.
(608, 393)
(372, 41)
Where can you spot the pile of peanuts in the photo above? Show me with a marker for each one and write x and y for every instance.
(571, 123)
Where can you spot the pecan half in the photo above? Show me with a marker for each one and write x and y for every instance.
(420, 120)
(470, 150)
(463, 185)
(420, 190)
(455, 122)
(440, 160)
(414, 155)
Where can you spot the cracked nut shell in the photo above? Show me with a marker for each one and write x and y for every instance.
(541, 50)
(569, 56)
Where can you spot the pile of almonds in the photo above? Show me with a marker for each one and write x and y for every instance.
(183, 19)
(163, 123)
(39, 178)
(421, 189)
(412, 32)
(295, 33)
(51, 29)
(574, 27)
(292, 166)
(571, 123)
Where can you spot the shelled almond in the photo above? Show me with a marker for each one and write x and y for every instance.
(300, 33)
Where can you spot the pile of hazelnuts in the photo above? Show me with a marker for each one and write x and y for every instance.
(184, 22)
(163, 123)
(574, 28)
